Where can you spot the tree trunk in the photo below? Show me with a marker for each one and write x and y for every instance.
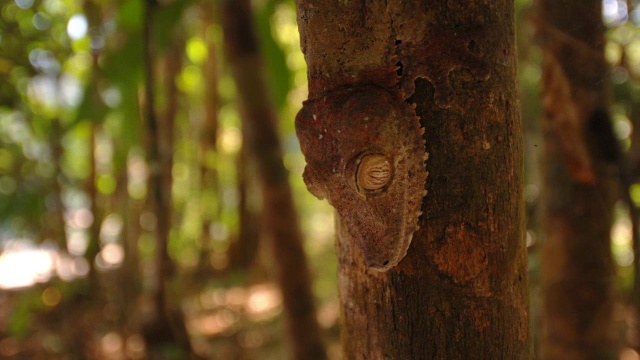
(208, 136)
(94, 16)
(281, 220)
(243, 251)
(578, 269)
(167, 326)
(93, 246)
(54, 220)
(627, 94)
(461, 290)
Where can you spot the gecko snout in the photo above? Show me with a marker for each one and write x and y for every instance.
(378, 263)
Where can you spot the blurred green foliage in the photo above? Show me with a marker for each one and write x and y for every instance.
(70, 121)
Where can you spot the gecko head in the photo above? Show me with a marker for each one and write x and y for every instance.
(369, 197)
(365, 155)
(376, 216)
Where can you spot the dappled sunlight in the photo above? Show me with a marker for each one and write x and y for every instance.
(263, 301)
(219, 310)
(111, 228)
(22, 267)
(137, 174)
(321, 227)
(77, 26)
(614, 12)
(71, 268)
(113, 346)
(110, 256)
(329, 314)
(213, 324)
(230, 140)
(621, 245)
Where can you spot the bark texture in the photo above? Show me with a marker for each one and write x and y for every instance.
(461, 290)
(259, 121)
(578, 270)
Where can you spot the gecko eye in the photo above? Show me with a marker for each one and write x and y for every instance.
(373, 173)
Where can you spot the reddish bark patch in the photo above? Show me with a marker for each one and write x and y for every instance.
(460, 255)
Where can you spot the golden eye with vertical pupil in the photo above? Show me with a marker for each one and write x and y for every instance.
(373, 173)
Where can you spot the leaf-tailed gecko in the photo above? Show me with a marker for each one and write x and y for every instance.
(364, 145)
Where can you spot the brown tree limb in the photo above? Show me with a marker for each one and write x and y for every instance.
(578, 269)
(259, 121)
(461, 290)
(209, 179)
(167, 325)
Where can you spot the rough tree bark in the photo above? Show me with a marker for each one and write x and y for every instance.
(259, 121)
(578, 269)
(461, 290)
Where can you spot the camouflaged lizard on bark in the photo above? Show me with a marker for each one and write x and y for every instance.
(363, 142)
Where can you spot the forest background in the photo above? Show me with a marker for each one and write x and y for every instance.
(85, 158)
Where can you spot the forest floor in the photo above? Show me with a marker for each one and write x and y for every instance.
(52, 321)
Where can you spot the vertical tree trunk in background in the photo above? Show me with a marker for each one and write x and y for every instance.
(461, 290)
(130, 270)
(633, 163)
(578, 269)
(93, 246)
(94, 17)
(259, 120)
(243, 251)
(629, 95)
(160, 200)
(209, 181)
(168, 326)
(55, 223)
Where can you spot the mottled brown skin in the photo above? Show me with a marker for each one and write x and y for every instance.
(431, 59)
(333, 133)
(350, 133)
